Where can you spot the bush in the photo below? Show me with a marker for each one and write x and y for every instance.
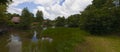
(100, 21)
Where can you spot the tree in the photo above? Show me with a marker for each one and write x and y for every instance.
(100, 18)
(39, 16)
(3, 8)
(60, 21)
(99, 3)
(73, 20)
(39, 19)
(5, 2)
(26, 19)
(3, 17)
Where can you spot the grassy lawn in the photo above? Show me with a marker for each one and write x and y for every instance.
(100, 44)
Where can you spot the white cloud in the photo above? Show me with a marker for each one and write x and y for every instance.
(52, 8)
(68, 8)
(45, 2)
(12, 7)
(14, 10)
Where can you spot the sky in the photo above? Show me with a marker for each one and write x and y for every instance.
(51, 8)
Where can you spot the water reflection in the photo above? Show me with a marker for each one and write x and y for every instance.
(24, 44)
(15, 45)
(34, 39)
(34, 43)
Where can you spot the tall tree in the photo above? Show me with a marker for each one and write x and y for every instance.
(39, 19)
(26, 18)
(39, 16)
(3, 17)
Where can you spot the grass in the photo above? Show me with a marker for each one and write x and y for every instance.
(3, 44)
(100, 44)
(64, 40)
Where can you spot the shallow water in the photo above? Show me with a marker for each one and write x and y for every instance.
(19, 41)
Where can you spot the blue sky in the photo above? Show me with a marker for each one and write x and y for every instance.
(50, 8)
(29, 5)
(61, 2)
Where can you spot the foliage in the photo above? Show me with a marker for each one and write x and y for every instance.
(26, 19)
(39, 16)
(99, 3)
(64, 39)
(100, 20)
(73, 20)
(3, 17)
(39, 19)
(5, 2)
(60, 21)
(3, 8)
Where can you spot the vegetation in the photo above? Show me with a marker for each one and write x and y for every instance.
(101, 17)
(60, 21)
(64, 39)
(26, 19)
(39, 19)
(5, 2)
(100, 44)
(73, 20)
(4, 20)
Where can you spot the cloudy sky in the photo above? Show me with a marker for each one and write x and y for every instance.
(51, 8)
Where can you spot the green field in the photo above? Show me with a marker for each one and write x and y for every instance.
(100, 44)
(65, 40)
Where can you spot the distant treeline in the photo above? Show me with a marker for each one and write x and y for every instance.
(98, 18)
